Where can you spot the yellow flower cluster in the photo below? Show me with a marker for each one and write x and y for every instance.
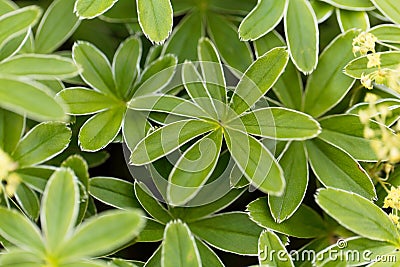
(392, 200)
(9, 179)
(364, 43)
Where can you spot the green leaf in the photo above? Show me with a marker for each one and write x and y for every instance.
(20, 231)
(36, 177)
(155, 19)
(58, 23)
(152, 232)
(304, 223)
(269, 242)
(358, 66)
(258, 79)
(302, 35)
(347, 132)
(255, 161)
(134, 128)
(151, 205)
(123, 11)
(11, 129)
(184, 38)
(123, 224)
(43, 67)
(295, 169)
(7, 6)
(232, 232)
(212, 70)
(289, 87)
(83, 101)
(126, 65)
(16, 22)
(335, 168)
(43, 142)
(20, 258)
(60, 207)
(387, 33)
(170, 137)
(234, 7)
(352, 19)
(328, 85)
(193, 168)
(278, 123)
(356, 5)
(179, 247)
(262, 19)
(358, 214)
(389, 8)
(23, 96)
(101, 129)
(237, 54)
(85, 263)
(28, 200)
(114, 192)
(208, 256)
(88, 9)
(14, 45)
(96, 67)
(322, 10)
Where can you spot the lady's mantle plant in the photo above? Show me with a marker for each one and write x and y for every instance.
(246, 124)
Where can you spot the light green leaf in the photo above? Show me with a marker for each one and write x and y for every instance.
(43, 67)
(20, 231)
(134, 128)
(295, 169)
(151, 205)
(167, 139)
(387, 33)
(184, 38)
(28, 200)
(289, 87)
(84, 263)
(83, 101)
(328, 85)
(304, 223)
(96, 67)
(194, 168)
(88, 9)
(36, 177)
(237, 54)
(20, 258)
(126, 65)
(390, 8)
(358, 66)
(208, 256)
(124, 226)
(262, 19)
(167, 104)
(335, 168)
(11, 129)
(57, 25)
(347, 132)
(352, 19)
(255, 162)
(179, 247)
(322, 10)
(7, 6)
(269, 242)
(152, 232)
(43, 142)
(114, 192)
(60, 207)
(155, 19)
(212, 70)
(101, 129)
(258, 79)
(232, 232)
(358, 214)
(123, 11)
(302, 35)
(16, 22)
(278, 123)
(355, 5)
(31, 98)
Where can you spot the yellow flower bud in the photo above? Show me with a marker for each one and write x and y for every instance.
(374, 60)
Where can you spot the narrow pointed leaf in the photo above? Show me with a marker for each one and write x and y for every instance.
(258, 79)
(88, 9)
(11, 128)
(155, 19)
(389, 8)
(255, 161)
(43, 142)
(179, 247)
(208, 256)
(28, 200)
(356, 5)
(101, 129)
(302, 35)
(358, 214)
(269, 242)
(20, 258)
(352, 19)
(389, 33)
(262, 19)
(57, 25)
(335, 168)
(167, 139)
